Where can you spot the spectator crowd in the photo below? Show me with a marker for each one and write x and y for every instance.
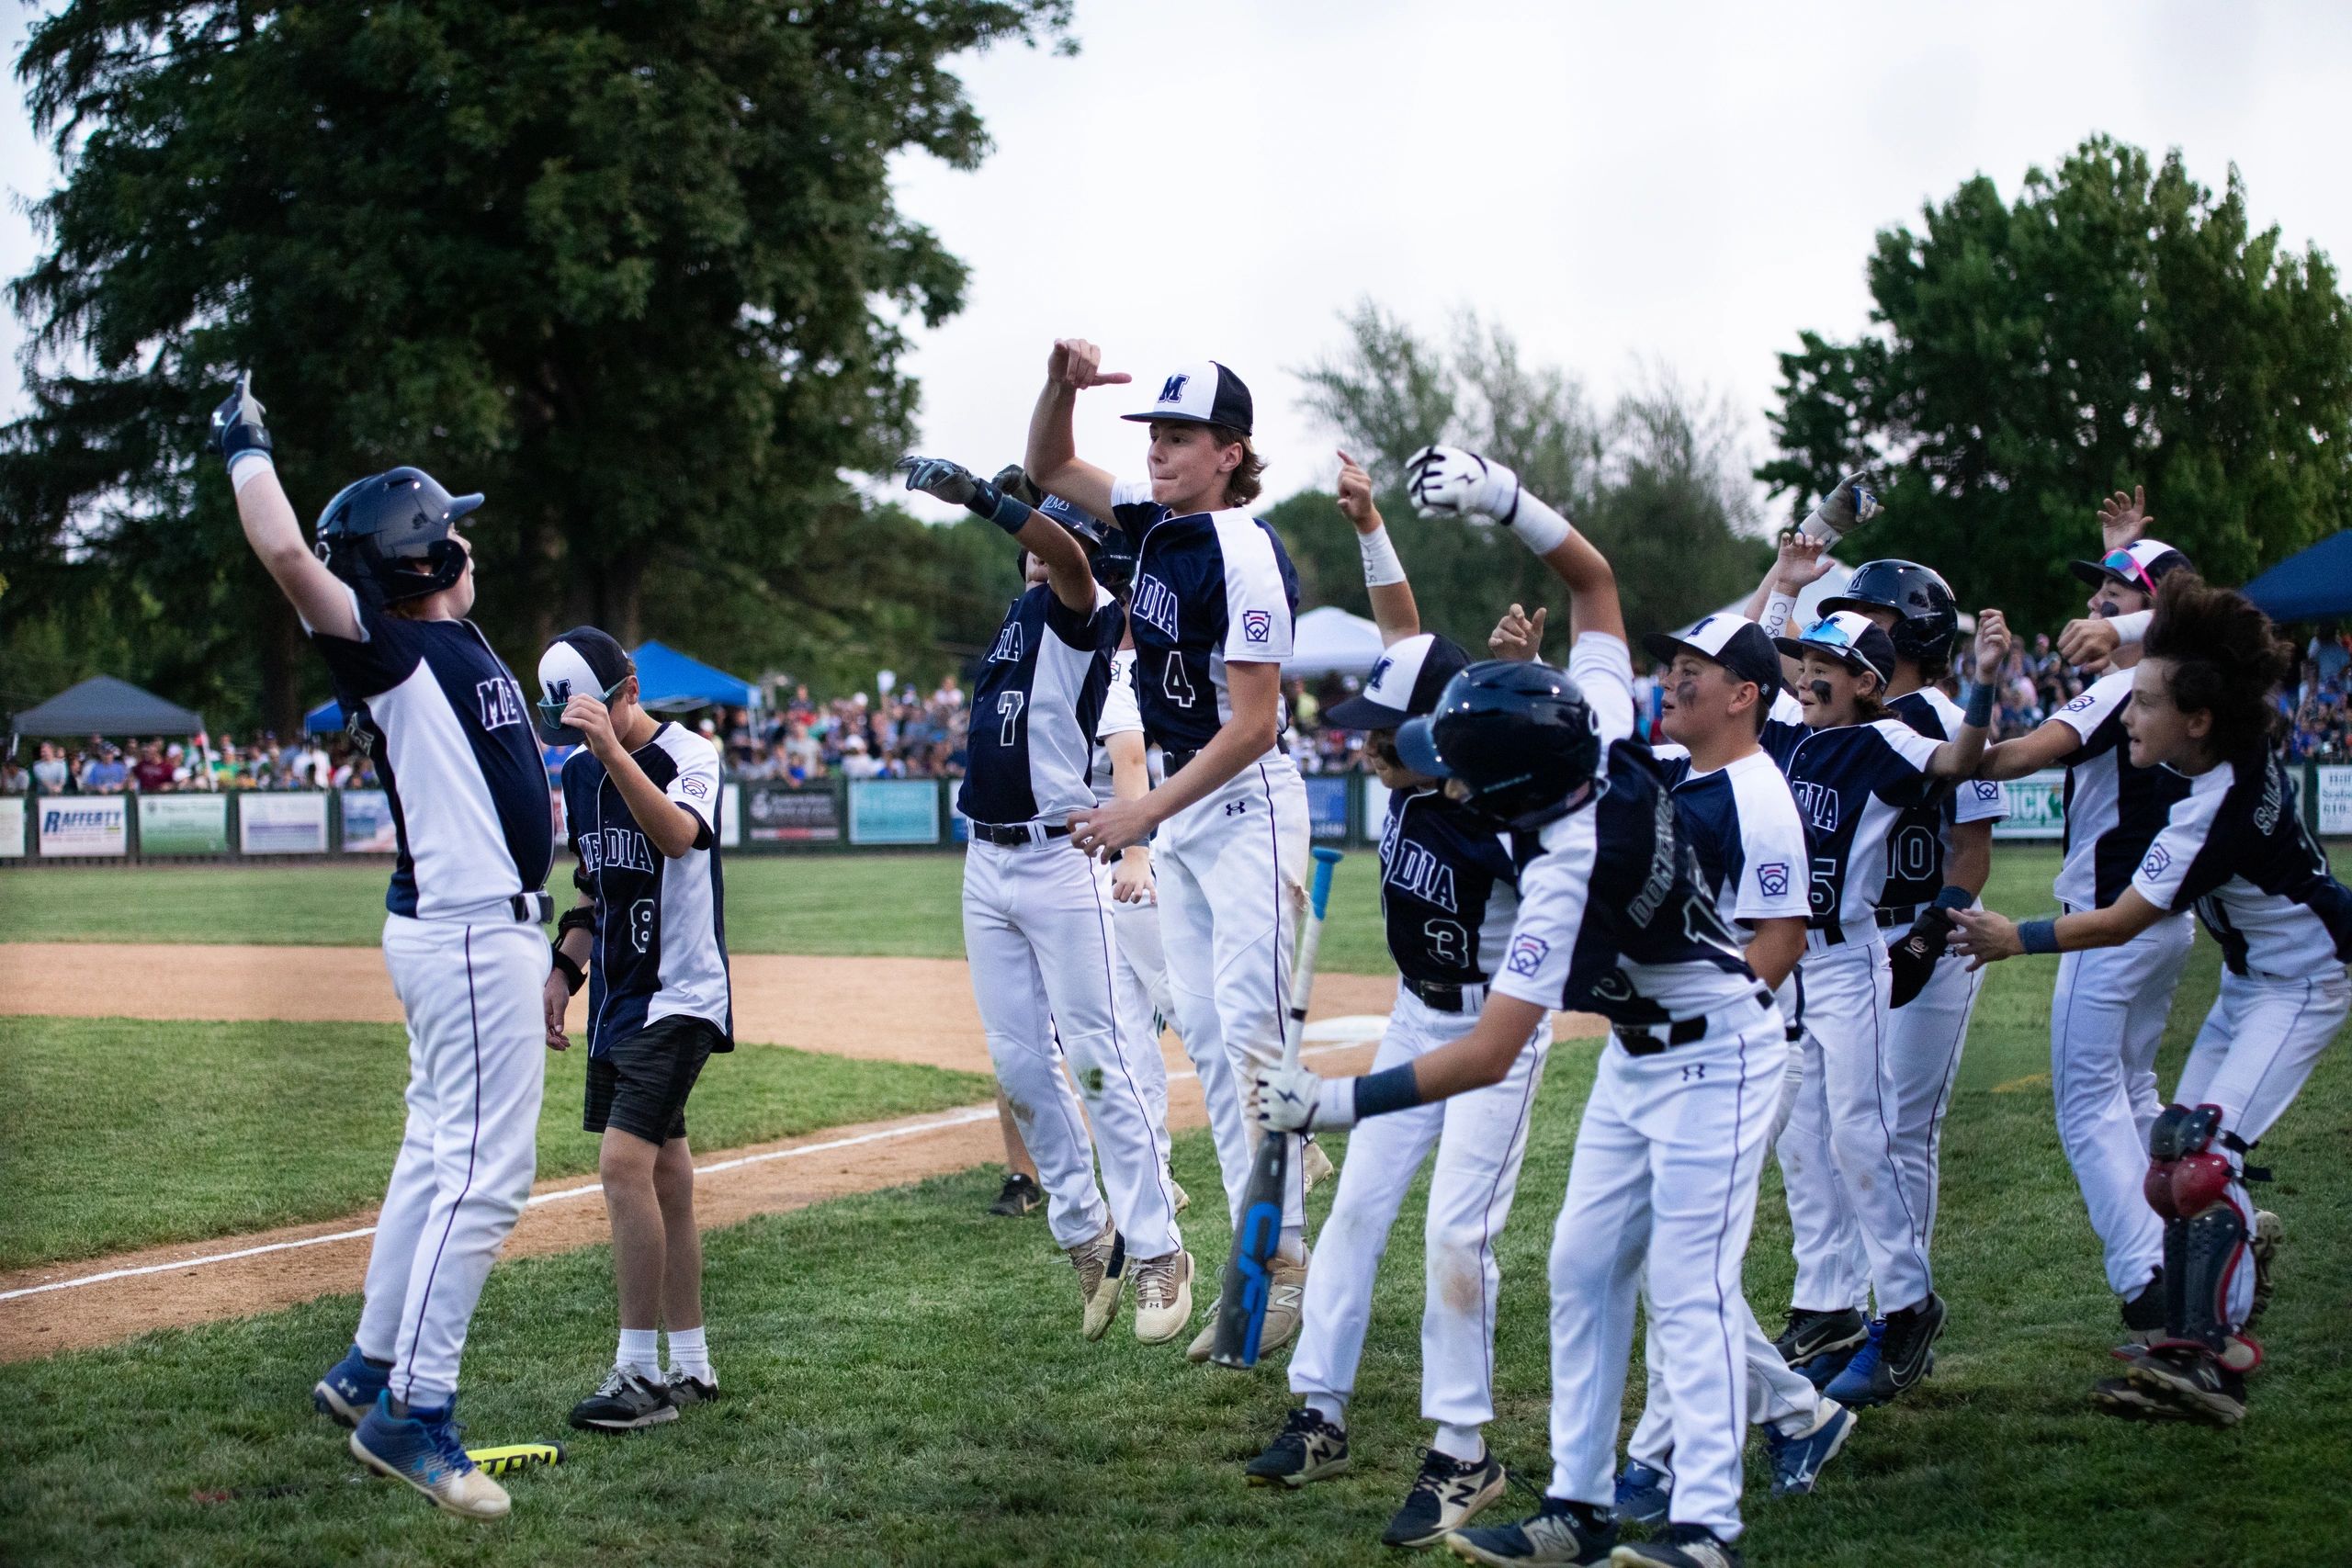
(99, 766)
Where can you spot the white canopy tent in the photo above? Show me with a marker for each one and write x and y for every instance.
(1330, 640)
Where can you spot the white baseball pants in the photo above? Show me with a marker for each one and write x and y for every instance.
(1232, 881)
(1840, 1159)
(1925, 1038)
(1038, 933)
(2259, 1043)
(1664, 1176)
(477, 1067)
(1144, 995)
(2107, 1018)
(1480, 1138)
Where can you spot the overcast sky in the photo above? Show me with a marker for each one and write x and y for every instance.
(1688, 184)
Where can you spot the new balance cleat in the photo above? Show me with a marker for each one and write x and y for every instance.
(1205, 1343)
(350, 1388)
(1183, 1199)
(1682, 1546)
(627, 1401)
(1447, 1495)
(1562, 1535)
(685, 1389)
(1314, 1165)
(2264, 1247)
(1163, 1296)
(2193, 1380)
(1797, 1460)
(1307, 1449)
(423, 1448)
(1285, 1298)
(1101, 1266)
(1644, 1493)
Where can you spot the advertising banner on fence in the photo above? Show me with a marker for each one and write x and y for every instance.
(12, 827)
(788, 814)
(1326, 807)
(292, 824)
(368, 823)
(893, 811)
(84, 825)
(183, 824)
(2333, 792)
(730, 815)
(2036, 807)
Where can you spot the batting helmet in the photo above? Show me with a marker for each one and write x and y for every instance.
(1518, 736)
(379, 531)
(1928, 616)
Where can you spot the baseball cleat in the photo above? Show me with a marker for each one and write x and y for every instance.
(1101, 1266)
(1307, 1449)
(423, 1449)
(685, 1389)
(1900, 1352)
(1163, 1296)
(349, 1390)
(2192, 1379)
(1448, 1494)
(2126, 1399)
(1016, 1197)
(1314, 1165)
(2143, 1314)
(1644, 1493)
(1797, 1460)
(627, 1401)
(1682, 1546)
(1285, 1296)
(1563, 1535)
(1811, 1334)
(1183, 1199)
(2264, 1245)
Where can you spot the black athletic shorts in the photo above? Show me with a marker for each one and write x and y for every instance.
(640, 1084)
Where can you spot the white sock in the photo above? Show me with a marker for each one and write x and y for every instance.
(1330, 1407)
(690, 1354)
(640, 1353)
(1464, 1443)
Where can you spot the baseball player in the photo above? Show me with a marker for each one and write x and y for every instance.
(384, 599)
(1614, 917)
(1037, 920)
(2108, 1012)
(1211, 608)
(2236, 848)
(1721, 685)
(1449, 892)
(641, 794)
(1854, 773)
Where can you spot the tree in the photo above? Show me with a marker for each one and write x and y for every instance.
(633, 270)
(2116, 325)
(1656, 480)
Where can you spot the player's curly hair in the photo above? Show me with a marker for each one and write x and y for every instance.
(2223, 659)
(1247, 482)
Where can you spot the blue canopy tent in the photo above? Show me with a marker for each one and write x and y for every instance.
(2309, 585)
(325, 718)
(669, 682)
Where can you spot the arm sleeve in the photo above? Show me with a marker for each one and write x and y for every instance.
(695, 787)
(1552, 898)
(384, 655)
(1602, 668)
(1121, 714)
(1772, 882)
(2181, 867)
(1257, 606)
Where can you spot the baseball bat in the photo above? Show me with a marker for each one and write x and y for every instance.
(504, 1460)
(1248, 1286)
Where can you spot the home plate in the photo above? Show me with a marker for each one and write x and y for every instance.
(1349, 1028)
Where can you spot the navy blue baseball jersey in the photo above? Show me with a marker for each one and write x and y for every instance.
(1783, 728)
(447, 727)
(661, 947)
(1922, 835)
(1449, 889)
(1035, 708)
(1210, 586)
(1615, 915)
(1743, 825)
(1853, 784)
(2114, 809)
(2236, 848)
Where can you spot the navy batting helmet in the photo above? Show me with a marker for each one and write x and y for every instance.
(1928, 616)
(1518, 736)
(379, 532)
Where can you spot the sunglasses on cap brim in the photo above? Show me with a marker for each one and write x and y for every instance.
(2121, 564)
(551, 725)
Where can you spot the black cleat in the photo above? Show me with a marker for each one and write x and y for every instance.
(1307, 1449)
(1016, 1197)
(1682, 1546)
(1563, 1535)
(2143, 1314)
(1446, 1494)
(2192, 1379)
(624, 1402)
(687, 1388)
(1811, 1334)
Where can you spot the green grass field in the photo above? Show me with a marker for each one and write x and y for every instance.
(905, 1384)
(119, 1133)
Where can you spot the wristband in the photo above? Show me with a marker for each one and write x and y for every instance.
(1009, 512)
(2131, 629)
(1979, 706)
(1393, 1089)
(1778, 611)
(248, 466)
(2038, 936)
(1381, 565)
(573, 975)
(1952, 898)
(1535, 524)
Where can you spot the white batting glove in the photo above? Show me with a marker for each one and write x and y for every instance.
(1293, 1100)
(1451, 481)
(1851, 503)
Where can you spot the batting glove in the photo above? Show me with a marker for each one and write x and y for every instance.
(1451, 481)
(1851, 503)
(1293, 1100)
(950, 482)
(237, 428)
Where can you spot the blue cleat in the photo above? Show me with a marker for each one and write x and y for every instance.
(1643, 1492)
(1797, 1461)
(350, 1388)
(1901, 1352)
(421, 1449)
(1851, 1385)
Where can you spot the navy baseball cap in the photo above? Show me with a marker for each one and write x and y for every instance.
(1406, 681)
(1849, 637)
(2141, 564)
(1734, 642)
(1203, 392)
(579, 662)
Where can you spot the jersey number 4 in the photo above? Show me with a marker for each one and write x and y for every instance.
(1174, 681)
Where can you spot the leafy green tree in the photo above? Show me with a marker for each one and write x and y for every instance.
(634, 270)
(2116, 324)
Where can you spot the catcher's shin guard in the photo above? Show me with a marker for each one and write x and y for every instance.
(2195, 1190)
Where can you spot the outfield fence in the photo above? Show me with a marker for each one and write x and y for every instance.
(758, 816)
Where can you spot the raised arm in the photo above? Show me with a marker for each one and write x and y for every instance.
(1393, 609)
(1802, 561)
(271, 529)
(1065, 565)
(1053, 462)
(1447, 482)
(2049, 744)
(1957, 758)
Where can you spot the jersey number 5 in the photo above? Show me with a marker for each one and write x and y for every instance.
(1175, 684)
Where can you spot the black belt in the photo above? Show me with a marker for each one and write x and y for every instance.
(1682, 1031)
(988, 833)
(1891, 916)
(532, 908)
(1443, 998)
(1172, 762)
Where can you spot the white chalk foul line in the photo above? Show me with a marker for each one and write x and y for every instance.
(963, 1118)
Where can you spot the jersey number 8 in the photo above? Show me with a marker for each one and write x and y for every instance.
(640, 925)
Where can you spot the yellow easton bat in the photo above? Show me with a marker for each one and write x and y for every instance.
(507, 1459)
